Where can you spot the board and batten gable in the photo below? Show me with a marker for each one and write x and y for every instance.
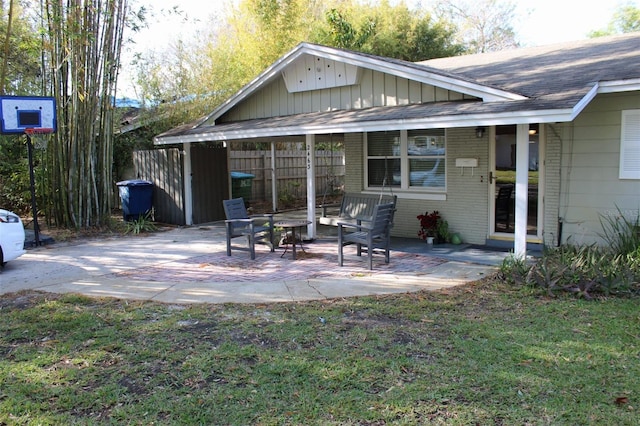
(590, 181)
(373, 89)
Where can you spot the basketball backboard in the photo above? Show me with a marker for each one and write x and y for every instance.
(19, 113)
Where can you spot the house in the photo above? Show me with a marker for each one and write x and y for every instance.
(526, 146)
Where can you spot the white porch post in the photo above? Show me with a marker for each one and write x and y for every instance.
(274, 181)
(188, 192)
(522, 190)
(311, 186)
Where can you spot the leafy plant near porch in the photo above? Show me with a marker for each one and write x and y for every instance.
(610, 269)
(433, 225)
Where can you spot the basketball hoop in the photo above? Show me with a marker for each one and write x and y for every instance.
(32, 116)
(39, 136)
(38, 130)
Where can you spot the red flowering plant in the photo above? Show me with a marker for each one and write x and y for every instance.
(429, 224)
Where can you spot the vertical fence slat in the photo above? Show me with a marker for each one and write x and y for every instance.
(291, 172)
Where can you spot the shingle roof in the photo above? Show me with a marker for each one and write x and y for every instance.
(547, 70)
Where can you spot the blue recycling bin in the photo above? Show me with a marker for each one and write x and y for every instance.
(137, 198)
(241, 185)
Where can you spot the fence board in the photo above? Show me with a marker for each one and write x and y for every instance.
(291, 172)
(163, 167)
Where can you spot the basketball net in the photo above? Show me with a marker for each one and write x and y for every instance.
(39, 137)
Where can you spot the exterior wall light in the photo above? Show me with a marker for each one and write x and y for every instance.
(479, 132)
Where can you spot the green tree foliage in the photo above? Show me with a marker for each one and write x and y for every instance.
(626, 19)
(391, 31)
(20, 52)
(343, 34)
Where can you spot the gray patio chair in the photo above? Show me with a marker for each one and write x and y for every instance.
(374, 235)
(257, 228)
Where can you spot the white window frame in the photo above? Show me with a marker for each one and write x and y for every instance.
(630, 145)
(404, 167)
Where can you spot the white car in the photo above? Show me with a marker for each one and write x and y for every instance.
(11, 237)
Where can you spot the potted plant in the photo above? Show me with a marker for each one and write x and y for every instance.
(433, 228)
(429, 226)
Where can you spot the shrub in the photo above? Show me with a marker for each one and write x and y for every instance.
(612, 269)
(142, 224)
(621, 233)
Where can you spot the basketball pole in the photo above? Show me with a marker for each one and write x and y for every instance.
(34, 208)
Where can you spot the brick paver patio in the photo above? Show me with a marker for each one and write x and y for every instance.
(319, 261)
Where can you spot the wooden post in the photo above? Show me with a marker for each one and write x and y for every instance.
(311, 185)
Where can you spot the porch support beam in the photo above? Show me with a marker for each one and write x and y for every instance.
(188, 190)
(274, 178)
(311, 185)
(522, 190)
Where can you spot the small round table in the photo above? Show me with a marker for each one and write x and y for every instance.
(292, 224)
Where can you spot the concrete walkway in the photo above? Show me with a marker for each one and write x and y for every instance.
(189, 265)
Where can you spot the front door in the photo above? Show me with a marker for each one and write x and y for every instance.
(503, 179)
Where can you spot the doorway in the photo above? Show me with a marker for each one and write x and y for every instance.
(502, 179)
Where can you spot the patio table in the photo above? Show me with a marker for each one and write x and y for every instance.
(292, 224)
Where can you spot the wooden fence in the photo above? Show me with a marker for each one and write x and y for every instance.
(291, 172)
(164, 168)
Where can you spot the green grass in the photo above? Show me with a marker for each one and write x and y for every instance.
(481, 354)
(509, 176)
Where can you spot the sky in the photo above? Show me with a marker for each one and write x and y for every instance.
(540, 22)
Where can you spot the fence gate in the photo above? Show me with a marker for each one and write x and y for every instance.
(209, 183)
(163, 167)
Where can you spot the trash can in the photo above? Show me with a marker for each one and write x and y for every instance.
(241, 185)
(136, 196)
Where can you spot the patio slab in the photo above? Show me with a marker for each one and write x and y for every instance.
(189, 265)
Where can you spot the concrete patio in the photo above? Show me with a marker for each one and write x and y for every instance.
(189, 265)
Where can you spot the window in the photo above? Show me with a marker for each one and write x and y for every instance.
(630, 145)
(383, 159)
(426, 152)
(409, 160)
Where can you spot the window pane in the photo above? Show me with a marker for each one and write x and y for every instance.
(428, 143)
(381, 144)
(427, 173)
(381, 168)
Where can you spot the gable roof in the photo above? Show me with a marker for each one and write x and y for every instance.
(540, 84)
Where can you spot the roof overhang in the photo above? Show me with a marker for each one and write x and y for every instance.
(619, 86)
(404, 117)
(322, 124)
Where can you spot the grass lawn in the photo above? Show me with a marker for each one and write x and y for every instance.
(509, 176)
(480, 354)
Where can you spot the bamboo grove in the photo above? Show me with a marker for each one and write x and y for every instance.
(82, 41)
